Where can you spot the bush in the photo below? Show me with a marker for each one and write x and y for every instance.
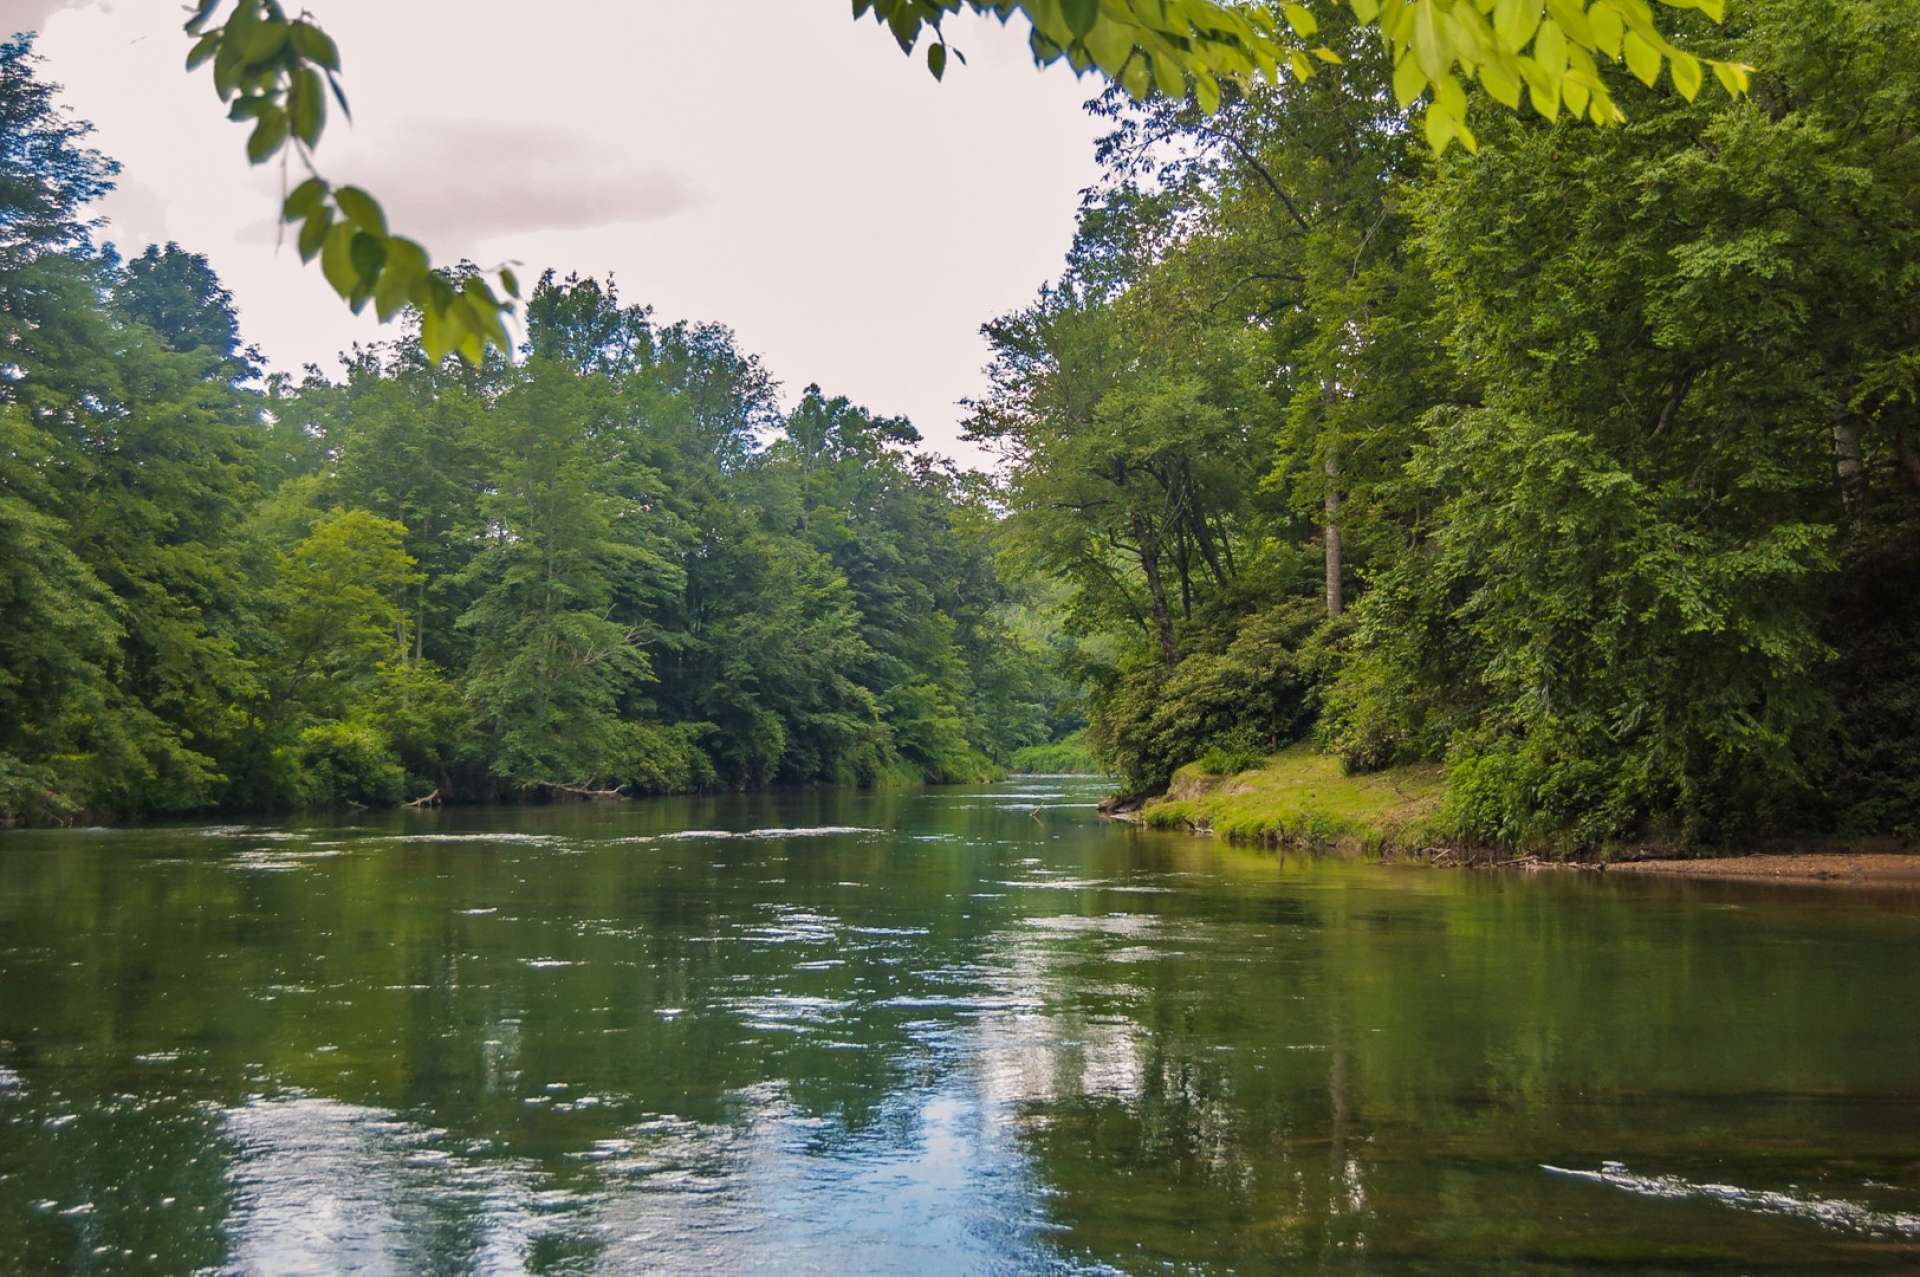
(1248, 700)
(342, 763)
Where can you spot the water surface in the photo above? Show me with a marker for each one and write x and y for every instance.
(952, 1030)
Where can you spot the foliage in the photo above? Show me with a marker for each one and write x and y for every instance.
(1299, 797)
(276, 73)
(1069, 756)
(1611, 433)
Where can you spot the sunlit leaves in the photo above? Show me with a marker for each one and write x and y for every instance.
(1553, 49)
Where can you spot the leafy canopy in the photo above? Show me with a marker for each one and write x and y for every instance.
(277, 73)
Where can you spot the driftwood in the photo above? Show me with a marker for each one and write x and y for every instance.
(430, 800)
(581, 791)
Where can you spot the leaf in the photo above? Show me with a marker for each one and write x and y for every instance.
(510, 281)
(308, 101)
(336, 259)
(1408, 80)
(937, 59)
(1608, 26)
(1642, 59)
(369, 254)
(268, 135)
(1550, 49)
(305, 198)
(1429, 44)
(1080, 16)
(316, 45)
(1206, 92)
(1686, 74)
(1500, 85)
(362, 208)
(203, 49)
(314, 232)
(1732, 77)
(1109, 43)
(1514, 22)
(1301, 19)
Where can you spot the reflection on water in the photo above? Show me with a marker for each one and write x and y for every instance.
(951, 1030)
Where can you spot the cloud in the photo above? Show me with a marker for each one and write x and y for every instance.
(458, 182)
(32, 15)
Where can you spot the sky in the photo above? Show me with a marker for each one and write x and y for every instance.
(767, 164)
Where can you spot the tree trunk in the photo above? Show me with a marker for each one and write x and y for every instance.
(420, 621)
(1847, 462)
(1336, 596)
(1149, 546)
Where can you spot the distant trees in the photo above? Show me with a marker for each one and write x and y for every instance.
(611, 563)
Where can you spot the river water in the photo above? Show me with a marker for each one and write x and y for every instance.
(950, 1030)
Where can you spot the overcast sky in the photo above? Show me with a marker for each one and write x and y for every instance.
(764, 163)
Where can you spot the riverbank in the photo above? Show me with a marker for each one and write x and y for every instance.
(1301, 798)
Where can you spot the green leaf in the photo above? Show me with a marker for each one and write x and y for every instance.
(305, 198)
(1686, 74)
(1642, 59)
(1550, 50)
(308, 102)
(316, 45)
(1608, 27)
(1732, 77)
(314, 233)
(203, 49)
(1080, 16)
(1430, 44)
(1514, 22)
(1301, 19)
(1408, 81)
(937, 59)
(336, 259)
(510, 281)
(1500, 85)
(369, 254)
(268, 135)
(362, 208)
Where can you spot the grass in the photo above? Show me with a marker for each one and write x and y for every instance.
(1300, 797)
(1071, 755)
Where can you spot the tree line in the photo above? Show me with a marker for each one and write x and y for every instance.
(1588, 464)
(612, 562)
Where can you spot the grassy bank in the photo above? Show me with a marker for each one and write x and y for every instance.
(1300, 797)
(1069, 756)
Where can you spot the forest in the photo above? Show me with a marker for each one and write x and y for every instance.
(1585, 465)
(612, 562)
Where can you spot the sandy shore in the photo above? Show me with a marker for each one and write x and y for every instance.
(1863, 869)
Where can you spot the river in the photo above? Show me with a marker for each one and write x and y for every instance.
(943, 1030)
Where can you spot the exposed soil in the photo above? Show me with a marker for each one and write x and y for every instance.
(1861, 869)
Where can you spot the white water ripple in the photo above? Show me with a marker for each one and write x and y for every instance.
(1830, 1211)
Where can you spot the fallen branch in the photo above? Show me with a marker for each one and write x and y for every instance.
(581, 791)
(430, 800)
